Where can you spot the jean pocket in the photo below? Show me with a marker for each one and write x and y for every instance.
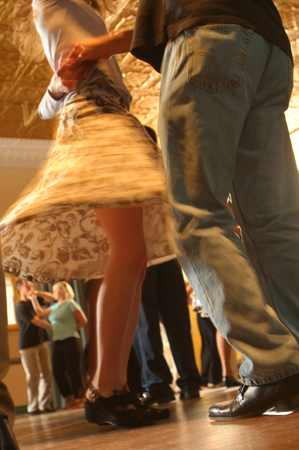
(217, 56)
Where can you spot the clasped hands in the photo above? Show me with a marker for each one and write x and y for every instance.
(75, 64)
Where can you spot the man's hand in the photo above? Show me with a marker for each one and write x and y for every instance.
(81, 56)
(71, 78)
(77, 62)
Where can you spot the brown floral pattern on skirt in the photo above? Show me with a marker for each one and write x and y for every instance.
(103, 158)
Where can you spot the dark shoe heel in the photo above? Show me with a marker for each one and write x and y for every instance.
(92, 414)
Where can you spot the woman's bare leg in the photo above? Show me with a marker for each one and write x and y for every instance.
(92, 327)
(119, 296)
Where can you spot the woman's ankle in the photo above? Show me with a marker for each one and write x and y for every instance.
(93, 393)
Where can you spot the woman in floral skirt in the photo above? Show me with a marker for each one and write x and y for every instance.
(99, 206)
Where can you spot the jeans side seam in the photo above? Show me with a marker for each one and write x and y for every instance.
(259, 270)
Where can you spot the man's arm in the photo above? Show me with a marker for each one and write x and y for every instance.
(41, 323)
(97, 48)
(48, 298)
(39, 311)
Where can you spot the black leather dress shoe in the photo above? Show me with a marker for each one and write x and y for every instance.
(157, 397)
(187, 395)
(7, 438)
(250, 401)
(47, 410)
(36, 412)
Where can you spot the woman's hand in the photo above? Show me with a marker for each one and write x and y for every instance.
(56, 88)
(80, 318)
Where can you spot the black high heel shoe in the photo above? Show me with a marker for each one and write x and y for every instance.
(114, 410)
(230, 381)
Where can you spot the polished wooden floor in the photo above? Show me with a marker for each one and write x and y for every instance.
(188, 429)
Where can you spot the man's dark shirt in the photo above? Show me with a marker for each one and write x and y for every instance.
(159, 21)
(30, 335)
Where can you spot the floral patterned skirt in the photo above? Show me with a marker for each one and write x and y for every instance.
(103, 158)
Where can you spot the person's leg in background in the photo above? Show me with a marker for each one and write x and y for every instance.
(211, 370)
(174, 313)
(155, 374)
(200, 153)
(31, 366)
(7, 408)
(225, 352)
(134, 374)
(73, 358)
(59, 373)
(45, 390)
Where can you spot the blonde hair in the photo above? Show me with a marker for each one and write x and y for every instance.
(66, 289)
(25, 36)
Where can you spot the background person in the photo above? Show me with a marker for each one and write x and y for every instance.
(34, 351)
(66, 318)
(164, 298)
(216, 368)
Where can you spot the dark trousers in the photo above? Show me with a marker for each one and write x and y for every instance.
(211, 370)
(67, 366)
(7, 408)
(164, 297)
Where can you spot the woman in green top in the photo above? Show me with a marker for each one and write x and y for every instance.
(66, 317)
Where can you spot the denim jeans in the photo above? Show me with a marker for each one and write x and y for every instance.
(222, 127)
(164, 297)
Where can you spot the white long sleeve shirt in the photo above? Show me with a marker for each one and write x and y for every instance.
(60, 22)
